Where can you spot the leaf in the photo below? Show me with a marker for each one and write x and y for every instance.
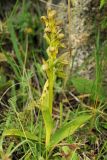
(13, 64)
(19, 133)
(74, 156)
(86, 86)
(5, 85)
(102, 3)
(61, 74)
(63, 59)
(28, 156)
(15, 41)
(44, 106)
(44, 99)
(68, 129)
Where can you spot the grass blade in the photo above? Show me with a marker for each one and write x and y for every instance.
(13, 65)
(15, 42)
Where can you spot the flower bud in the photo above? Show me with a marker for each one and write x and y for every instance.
(61, 36)
(62, 45)
(51, 13)
(45, 67)
(43, 19)
(47, 29)
(52, 49)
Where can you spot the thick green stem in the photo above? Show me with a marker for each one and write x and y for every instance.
(51, 85)
(48, 125)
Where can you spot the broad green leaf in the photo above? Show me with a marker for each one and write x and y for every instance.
(45, 108)
(68, 129)
(19, 133)
(86, 86)
(83, 85)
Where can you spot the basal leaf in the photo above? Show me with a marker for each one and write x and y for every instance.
(68, 129)
(86, 86)
(19, 133)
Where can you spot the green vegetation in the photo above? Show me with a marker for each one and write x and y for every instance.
(46, 113)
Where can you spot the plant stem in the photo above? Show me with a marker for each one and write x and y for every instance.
(51, 85)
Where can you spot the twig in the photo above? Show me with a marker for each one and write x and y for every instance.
(54, 5)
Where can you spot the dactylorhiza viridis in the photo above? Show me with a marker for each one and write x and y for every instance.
(53, 66)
